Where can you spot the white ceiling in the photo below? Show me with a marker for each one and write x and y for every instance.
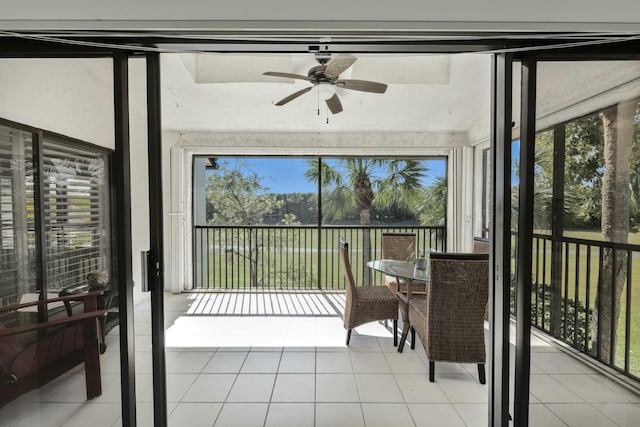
(227, 92)
(440, 94)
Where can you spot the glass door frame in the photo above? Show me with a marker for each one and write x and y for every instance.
(14, 47)
(498, 381)
(500, 227)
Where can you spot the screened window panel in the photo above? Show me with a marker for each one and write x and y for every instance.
(76, 200)
(16, 215)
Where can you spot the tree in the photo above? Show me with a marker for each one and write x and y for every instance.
(584, 172)
(432, 205)
(357, 182)
(542, 185)
(618, 131)
(238, 198)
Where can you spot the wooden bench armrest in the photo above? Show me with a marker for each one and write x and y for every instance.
(76, 318)
(75, 297)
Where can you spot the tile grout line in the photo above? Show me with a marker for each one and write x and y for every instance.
(404, 399)
(273, 388)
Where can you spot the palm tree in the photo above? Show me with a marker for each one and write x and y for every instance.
(360, 183)
(433, 203)
(618, 131)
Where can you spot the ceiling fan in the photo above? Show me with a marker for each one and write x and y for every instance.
(328, 72)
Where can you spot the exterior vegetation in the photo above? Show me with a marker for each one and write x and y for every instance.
(600, 202)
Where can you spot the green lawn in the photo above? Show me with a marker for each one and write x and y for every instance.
(576, 280)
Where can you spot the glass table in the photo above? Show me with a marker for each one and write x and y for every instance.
(405, 271)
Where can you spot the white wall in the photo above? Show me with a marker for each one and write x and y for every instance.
(431, 14)
(73, 97)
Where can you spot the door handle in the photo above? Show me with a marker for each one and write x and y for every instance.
(150, 270)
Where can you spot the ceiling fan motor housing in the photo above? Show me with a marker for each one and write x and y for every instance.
(316, 75)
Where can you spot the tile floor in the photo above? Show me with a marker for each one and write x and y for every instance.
(293, 369)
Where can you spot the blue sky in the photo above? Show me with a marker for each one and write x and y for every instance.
(286, 175)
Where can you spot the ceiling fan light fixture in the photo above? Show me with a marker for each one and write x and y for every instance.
(327, 74)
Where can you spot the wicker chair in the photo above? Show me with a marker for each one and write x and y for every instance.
(365, 304)
(481, 246)
(401, 247)
(450, 321)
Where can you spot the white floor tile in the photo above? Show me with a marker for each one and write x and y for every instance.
(560, 363)
(591, 388)
(225, 362)
(194, 414)
(261, 363)
(449, 368)
(329, 342)
(177, 386)
(622, 391)
(110, 362)
(242, 415)
(386, 343)
(210, 388)
(338, 363)
(339, 415)
(305, 359)
(405, 363)
(111, 391)
(380, 388)
(294, 388)
(298, 362)
(233, 348)
(363, 343)
(473, 414)
(252, 388)
(94, 414)
(50, 414)
(580, 415)
(462, 388)
(336, 388)
(435, 415)
(333, 348)
(369, 363)
(71, 382)
(387, 414)
(548, 390)
(624, 414)
(541, 416)
(418, 389)
(291, 415)
(189, 362)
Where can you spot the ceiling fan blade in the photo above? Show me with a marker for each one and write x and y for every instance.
(338, 64)
(285, 75)
(334, 104)
(294, 95)
(362, 85)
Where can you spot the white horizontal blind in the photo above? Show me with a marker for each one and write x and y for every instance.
(76, 217)
(17, 232)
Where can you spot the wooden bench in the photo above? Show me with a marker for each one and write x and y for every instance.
(61, 345)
